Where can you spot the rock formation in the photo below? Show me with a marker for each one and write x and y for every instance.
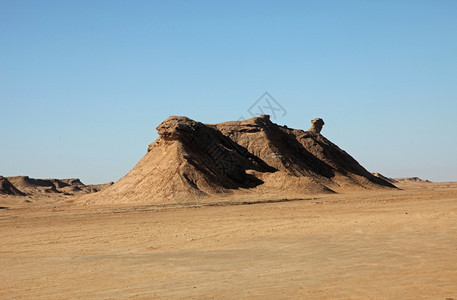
(402, 179)
(316, 125)
(412, 179)
(24, 185)
(190, 158)
(388, 179)
(6, 188)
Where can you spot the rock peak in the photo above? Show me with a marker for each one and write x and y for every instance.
(176, 127)
(316, 125)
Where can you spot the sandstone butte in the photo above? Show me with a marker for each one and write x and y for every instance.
(191, 160)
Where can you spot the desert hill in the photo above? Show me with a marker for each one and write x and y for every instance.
(412, 179)
(402, 179)
(26, 186)
(7, 188)
(192, 159)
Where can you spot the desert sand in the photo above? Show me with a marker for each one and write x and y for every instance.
(397, 244)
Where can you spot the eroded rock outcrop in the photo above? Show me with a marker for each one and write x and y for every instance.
(36, 187)
(316, 125)
(190, 158)
(7, 188)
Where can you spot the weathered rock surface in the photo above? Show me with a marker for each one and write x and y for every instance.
(6, 188)
(316, 125)
(192, 159)
(402, 179)
(388, 179)
(33, 187)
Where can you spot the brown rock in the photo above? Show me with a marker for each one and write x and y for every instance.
(7, 188)
(192, 159)
(36, 187)
(316, 125)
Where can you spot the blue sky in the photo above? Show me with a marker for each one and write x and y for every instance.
(83, 84)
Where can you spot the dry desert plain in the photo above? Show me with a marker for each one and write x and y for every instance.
(395, 244)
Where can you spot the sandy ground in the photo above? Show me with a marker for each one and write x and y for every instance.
(373, 245)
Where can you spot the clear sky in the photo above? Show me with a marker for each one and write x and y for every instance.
(83, 84)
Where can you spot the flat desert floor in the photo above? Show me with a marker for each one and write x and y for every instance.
(371, 245)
